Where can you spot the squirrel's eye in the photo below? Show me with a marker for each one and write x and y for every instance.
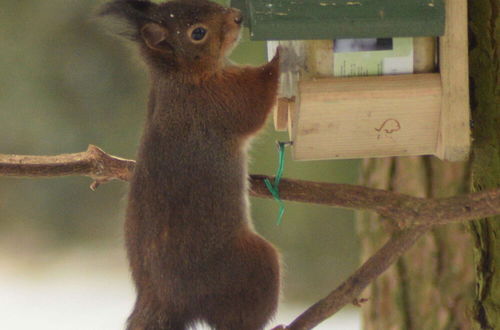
(198, 33)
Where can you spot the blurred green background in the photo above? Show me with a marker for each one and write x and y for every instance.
(66, 83)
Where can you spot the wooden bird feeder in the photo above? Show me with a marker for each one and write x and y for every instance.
(335, 109)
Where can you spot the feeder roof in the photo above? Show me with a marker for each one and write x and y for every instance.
(332, 19)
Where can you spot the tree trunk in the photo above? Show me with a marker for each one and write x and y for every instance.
(485, 103)
(432, 286)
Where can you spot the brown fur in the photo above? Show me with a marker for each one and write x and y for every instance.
(193, 253)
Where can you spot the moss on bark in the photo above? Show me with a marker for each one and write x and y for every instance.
(484, 54)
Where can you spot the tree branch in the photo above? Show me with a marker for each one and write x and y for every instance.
(397, 245)
(404, 209)
(93, 163)
(412, 214)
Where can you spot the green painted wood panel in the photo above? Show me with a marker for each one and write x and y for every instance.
(321, 19)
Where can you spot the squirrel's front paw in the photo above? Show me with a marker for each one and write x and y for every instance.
(277, 55)
(284, 56)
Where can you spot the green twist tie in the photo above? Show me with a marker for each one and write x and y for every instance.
(273, 187)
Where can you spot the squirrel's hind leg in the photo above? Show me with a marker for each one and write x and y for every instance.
(251, 295)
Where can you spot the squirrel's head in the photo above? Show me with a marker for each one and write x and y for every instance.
(188, 35)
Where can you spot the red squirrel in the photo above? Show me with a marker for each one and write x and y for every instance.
(193, 253)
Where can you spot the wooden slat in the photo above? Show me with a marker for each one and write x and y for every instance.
(319, 58)
(454, 138)
(367, 117)
(292, 111)
(424, 54)
(280, 113)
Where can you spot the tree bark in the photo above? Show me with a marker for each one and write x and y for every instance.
(484, 57)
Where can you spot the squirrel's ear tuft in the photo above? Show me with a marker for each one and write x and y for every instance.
(128, 16)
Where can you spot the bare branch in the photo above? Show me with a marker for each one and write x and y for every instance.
(397, 245)
(93, 163)
(404, 209)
